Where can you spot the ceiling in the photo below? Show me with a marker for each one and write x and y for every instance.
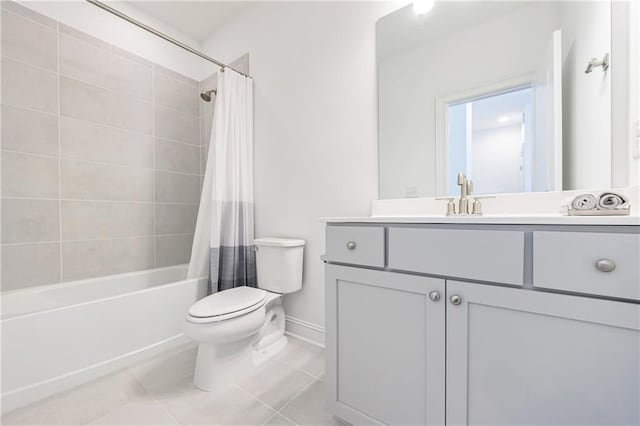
(195, 19)
(403, 30)
(501, 110)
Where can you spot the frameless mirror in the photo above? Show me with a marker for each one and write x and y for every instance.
(517, 95)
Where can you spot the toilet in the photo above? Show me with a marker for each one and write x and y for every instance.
(241, 328)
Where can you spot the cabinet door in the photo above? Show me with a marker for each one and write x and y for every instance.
(519, 357)
(385, 347)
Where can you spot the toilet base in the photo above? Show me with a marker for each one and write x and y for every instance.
(220, 364)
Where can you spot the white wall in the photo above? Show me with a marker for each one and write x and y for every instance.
(411, 81)
(94, 21)
(586, 33)
(315, 130)
(496, 159)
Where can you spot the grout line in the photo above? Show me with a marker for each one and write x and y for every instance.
(153, 163)
(106, 164)
(60, 256)
(169, 203)
(159, 404)
(269, 419)
(40, 111)
(256, 399)
(38, 67)
(98, 123)
(299, 369)
(4, 9)
(86, 240)
(293, 399)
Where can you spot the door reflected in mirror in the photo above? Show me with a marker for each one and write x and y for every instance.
(498, 90)
(490, 138)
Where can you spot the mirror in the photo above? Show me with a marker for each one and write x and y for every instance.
(517, 95)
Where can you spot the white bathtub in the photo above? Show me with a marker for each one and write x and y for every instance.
(58, 336)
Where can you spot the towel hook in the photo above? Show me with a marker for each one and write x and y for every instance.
(594, 63)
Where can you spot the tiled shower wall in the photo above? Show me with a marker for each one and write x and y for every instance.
(100, 156)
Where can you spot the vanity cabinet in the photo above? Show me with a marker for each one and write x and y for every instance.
(519, 357)
(386, 346)
(418, 341)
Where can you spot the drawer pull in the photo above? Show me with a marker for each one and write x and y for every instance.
(434, 295)
(455, 299)
(351, 245)
(605, 265)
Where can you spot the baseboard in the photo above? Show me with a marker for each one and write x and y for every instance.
(38, 391)
(304, 330)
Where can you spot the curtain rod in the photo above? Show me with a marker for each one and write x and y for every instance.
(155, 32)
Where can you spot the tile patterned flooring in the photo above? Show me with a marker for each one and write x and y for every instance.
(287, 390)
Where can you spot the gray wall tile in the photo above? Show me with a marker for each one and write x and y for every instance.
(65, 29)
(176, 125)
(14, 258)
(26, 175)
(173, 250)
(176, 94)
(206, 121)
(95, 258)
(82, 220)
(25, 221)
(177, 188)
(84, 101)
(28, 41)
(96, 64)
(177, 157)
(176, 219)
(131, 77)
(29, 131)
(84, 140)
(30, 87)
(131, 113)
(131, 56)
(92, 181)
(84, 61)
(159, 69)
(117, 213)
(29, 14)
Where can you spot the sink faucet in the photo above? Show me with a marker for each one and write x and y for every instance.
(466, 187)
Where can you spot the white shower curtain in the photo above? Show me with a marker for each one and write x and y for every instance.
(223, 243)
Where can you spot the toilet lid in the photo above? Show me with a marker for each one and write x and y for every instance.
(227, 301)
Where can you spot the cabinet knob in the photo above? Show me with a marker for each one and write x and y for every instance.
(455, 299)
(351, 245)
(434, 295)
(605, 265)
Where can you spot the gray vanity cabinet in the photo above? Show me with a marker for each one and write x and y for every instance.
(519, 357)
(418, 334)
(388, 355)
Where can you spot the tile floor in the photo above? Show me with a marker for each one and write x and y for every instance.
(287, 390)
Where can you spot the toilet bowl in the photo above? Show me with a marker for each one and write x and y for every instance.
(241, 328)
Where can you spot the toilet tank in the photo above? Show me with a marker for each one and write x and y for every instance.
(279, 264)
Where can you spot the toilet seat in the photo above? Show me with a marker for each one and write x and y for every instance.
(227, 304)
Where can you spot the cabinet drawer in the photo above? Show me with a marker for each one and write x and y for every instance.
(359, 245)
(568, 261)
(496, 256)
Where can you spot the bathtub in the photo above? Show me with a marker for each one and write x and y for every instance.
(58, 336)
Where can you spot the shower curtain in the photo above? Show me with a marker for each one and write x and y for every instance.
(223, 241)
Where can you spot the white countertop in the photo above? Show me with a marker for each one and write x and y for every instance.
(551, 219)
